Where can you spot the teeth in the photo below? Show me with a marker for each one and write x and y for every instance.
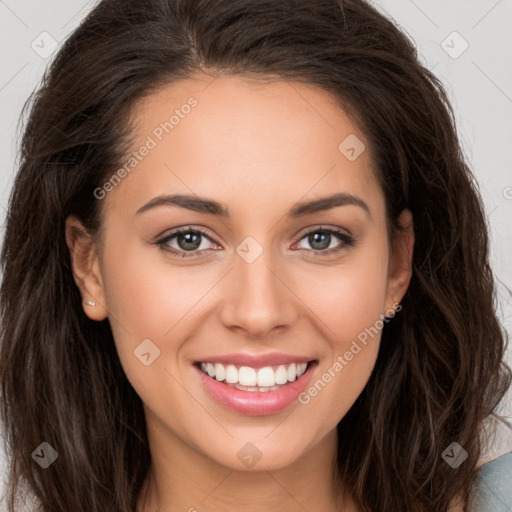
(281, 375)
(220, 372)
(251, 379)
(247, 376)
(231, 374)
(265, 377)
(292, 372)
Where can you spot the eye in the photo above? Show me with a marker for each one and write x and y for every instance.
(321, 239)
(188, 241)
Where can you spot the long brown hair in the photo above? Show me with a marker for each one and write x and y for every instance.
(440, 369)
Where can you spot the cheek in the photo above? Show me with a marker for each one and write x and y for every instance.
(350, 304)
(141, 306)
(149, 298)
(146, 292)
(349, 297)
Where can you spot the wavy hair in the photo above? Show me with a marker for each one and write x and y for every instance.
(440, 370)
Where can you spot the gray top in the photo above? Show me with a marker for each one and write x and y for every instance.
(492, 491)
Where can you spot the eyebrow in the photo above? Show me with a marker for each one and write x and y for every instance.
(211, 207)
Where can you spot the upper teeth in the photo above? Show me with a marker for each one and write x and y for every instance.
(247, 376)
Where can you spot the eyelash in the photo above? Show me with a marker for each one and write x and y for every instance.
(346, 239)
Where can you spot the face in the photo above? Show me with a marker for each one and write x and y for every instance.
(257, 284)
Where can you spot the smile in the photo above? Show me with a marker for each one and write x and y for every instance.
(246, 378)
(260, 389)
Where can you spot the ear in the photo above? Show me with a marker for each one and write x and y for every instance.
(400, 263)
(86, 268)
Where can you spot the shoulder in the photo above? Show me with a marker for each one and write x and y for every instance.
(492, 489)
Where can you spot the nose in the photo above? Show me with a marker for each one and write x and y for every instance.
(258, 297)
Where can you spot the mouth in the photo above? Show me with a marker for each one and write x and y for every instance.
(247, 378)
(255, 390)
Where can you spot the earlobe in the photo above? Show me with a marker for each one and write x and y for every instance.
(86, 269)
(401, 260)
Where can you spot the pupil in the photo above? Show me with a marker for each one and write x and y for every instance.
(315, 237)
(186, 237)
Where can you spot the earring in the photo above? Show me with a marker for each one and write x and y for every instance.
(89, 303)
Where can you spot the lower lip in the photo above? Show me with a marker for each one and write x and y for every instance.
(256, 403)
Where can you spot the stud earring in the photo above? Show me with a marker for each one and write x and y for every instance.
(89, 303)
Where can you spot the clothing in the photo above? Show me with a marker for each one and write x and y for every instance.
(492, 490)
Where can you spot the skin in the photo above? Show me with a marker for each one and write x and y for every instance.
(259, 148)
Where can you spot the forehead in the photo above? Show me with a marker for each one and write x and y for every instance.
(239, 139)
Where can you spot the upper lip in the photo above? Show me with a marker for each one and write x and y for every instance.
(256, 361)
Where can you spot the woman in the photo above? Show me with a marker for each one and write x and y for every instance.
(245, 265)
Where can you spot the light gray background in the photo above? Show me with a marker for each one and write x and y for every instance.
(479, 83)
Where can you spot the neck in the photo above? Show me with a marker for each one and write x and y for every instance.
(180, 478)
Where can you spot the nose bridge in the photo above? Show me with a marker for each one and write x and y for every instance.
(258, 300)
